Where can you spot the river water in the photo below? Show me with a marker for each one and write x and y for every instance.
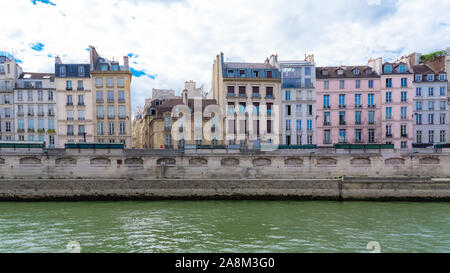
(224, 226)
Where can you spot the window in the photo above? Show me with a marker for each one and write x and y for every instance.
(8, 126)
(442, 77)
(69, 115)
(310, 110)
(81, 130)
(326, 101)
(21, 124)
(70, 130)
(307, 71)
(370, 100)
(269, 74)
(418, 119)
(80, 85)
(31, 138)
(388, 83)
(342, 118)
(442, 91)
(403, 144)
(20, 109)
(430, 118)
(357, 100)
(100, 128)
(7, 112)
(299, 139)
(442, 105)
(431, 105)
(341, 84)
(68, 85)
(403, 113)
(110, 111)
(40, 95)
(388, 113)
(358, 84)
(269, 92)
(30, 95)
(403, 96)
(402, 68)
(342, 138)
(121, 96)
(371, 117)
(404, 82)
(358, 117)
(110, 96)
(242, 106)
(62, 71)
(288, 110)
(51, 124)
(387, 69)
(403, 130)
(99, 111)
(342, 100)
(430, 91)
(242, 91)
(110, 82)
(69, 100)
(288, 95)
(121, 111)
(230, 108)
(308, 82)
(30, 110)
(418, 105)
(418, 91)
(356, 71)
(120, 82)
(419, 136)
(326, 137)
(19, 95)
(81, 115)
(388, 97)
(98, 82)
(418, 77)
(50, 95)
(230, 90)
(442, 118)
(122, 130)
(326, 85)
(99, 97)
(430, 77)
(80, 71)
(358, 136)
(442, 137)
(299, 124)
(309, 125)
(431, 136)
(255, 90)
(371, 135)
(111, 128)
(80, 100)
(326, 118)
(370, 84)
(288, 125)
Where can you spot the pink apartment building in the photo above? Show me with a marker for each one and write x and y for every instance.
(397, 94)
(348, 105)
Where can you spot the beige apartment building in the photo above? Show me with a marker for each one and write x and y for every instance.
(112, 104)
(249, 96)
(74, 111)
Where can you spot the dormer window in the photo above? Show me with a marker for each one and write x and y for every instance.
(369, 71)
(242, 73)
(402, 68)
(256, 74)
(230, 72)
(430, 77)
(418, 78)
(442, 77)
(115, 67)
(324, 72)
(104, 67)
(356, 71)
(388, 68)
(340, 72)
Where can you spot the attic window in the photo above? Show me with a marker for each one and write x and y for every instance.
(387, 68)
(368, 70)
(402, 68)
(418, 78)
(242, 73)
(255, 73)
(430, 77)
(442, 77)
(324, 72)
(356, 71)
(340, 72)
(269, 74)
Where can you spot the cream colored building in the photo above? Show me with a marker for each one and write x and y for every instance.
(248, 94)
(112, 102)
(73, 103)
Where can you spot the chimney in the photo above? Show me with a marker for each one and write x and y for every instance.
(273, 60)
(310, 58)
(57, 60)
(126, 63)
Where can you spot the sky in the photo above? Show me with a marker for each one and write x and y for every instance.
(172, 41)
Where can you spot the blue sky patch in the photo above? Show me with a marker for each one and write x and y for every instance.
(132, 55)
(37, 46)
(18, 61)
(43, 1)
(140, 73)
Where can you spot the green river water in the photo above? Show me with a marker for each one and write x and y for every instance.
(225, 226)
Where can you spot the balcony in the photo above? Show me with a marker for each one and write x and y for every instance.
(69, 118)
(99, 100)
(110, 100)
(342, 106)
(20, 114)
(388, 135)
(69, 103)
(80, 88)
(51, 114)
(41, 114)
(326, 107)
(99, 117)
(371, 105)
(404, 135)
(269, 96)
(256, 95)
(70, 133)
(342, 123)
(81, 118)
(121, 100)
(242, 95)
(68, 88)
(81, 104)
(326, 123)
(111, 117)
(230, 95)
(31, 114)
(81, 133)
(358, 106)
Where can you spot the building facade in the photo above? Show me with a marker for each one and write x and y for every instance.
(9, 74)
(249, 96)
(397, 94)
(35, 108)
(73, 103)
(348, 105)
(298, 80)
(112, 104)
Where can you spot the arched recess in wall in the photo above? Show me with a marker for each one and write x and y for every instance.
(65, 161)
(294, 162)
(30, 160)
(229, 162)
(360, 161)
(167, 161)
(394, 161)
(100, 161)
(134, 162)
(198, 161)
(429, 161)
(326, 161)
(262, 162)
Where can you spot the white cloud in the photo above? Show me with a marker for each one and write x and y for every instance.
(178, 40)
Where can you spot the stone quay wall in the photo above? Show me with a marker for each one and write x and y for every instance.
(154, 174)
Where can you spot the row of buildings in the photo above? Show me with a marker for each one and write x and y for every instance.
(294, 102)
(81, 101)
